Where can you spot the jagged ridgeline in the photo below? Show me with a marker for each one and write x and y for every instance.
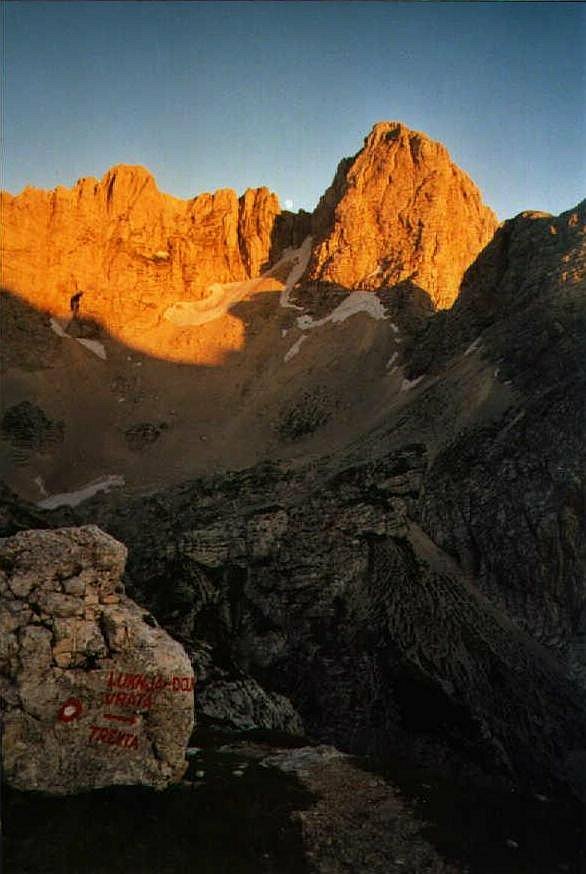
(220, 331)
(344, 449)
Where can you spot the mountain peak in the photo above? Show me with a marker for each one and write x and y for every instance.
(400, 210)
(394, 130)
(136, 171)
(381, 128)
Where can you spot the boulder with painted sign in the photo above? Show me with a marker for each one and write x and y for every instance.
(94, 692)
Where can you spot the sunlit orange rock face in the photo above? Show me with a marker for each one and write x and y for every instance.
(132, 249)
(399, 210)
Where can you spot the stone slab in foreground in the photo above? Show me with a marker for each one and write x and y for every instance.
(94, 692)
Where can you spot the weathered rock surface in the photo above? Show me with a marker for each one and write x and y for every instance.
(128, 246)
(245, 705)
(27, 426)
(328, 592)
(522, 301)
(507, 499)
(358, 822)
(425, 590)
(94, 692)
(399, 210)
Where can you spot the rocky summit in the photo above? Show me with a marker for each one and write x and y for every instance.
(345, 451)
(399, 210)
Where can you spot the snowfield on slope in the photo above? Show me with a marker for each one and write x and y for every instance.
(223, 296)
(72, 499)
(93, 345)
(300, 258)
(356, 302)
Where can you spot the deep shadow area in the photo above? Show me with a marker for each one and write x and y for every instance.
(524, 292)
(217, 824)
(289, 231)
(228, 415)
(487, 828)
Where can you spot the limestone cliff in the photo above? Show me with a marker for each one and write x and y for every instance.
(128, 246)
(399, 210)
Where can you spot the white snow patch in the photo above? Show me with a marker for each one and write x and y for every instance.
(393, 358)
(474, 347)
(72, 499)
(220, 298)
(394, 327)
(57, 327)
(359, 302)
(295, 348)
(300, 258)
(284, 332)
(41, 485)
(356, 302)
(408, 384)
(94, 346)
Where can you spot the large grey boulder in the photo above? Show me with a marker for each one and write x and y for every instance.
(94, 692)
(243, 704)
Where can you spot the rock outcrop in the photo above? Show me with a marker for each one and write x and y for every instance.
(399, 210)
(507, 499)
(245, 705)
(94, 692)
(331, 594)
(526, 291)
(26, 425)
(129, 247)
(358, 822)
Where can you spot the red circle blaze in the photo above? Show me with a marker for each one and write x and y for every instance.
(70, 710)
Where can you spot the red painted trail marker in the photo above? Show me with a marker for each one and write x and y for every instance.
(70, 710)
(118, 718)
(113, 737)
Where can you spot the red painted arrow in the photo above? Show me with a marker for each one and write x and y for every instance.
(130, 719)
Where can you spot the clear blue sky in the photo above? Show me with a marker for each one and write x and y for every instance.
(214, 95)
